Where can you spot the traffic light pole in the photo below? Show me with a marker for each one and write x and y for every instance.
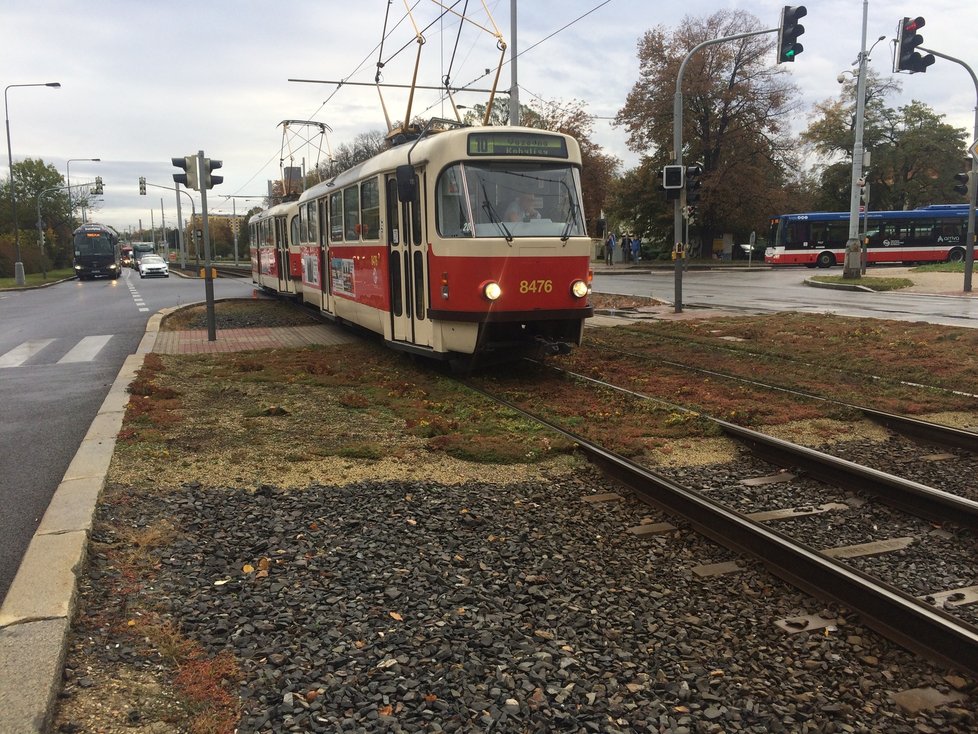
(677, 152)
(969, 250)
(208, 279)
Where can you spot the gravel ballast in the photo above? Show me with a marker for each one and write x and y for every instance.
(410, 606)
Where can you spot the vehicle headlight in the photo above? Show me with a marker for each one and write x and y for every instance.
(580, 289)
(491, 290)
(113, 266)
(78, 267)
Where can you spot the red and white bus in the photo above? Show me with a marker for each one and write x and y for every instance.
(936, 233)
(423, 245)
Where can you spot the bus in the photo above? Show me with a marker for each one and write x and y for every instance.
(96, 252)
(139, 249)
(936, 233)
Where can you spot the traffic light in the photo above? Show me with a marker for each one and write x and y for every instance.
(693, 184)
(966, 180)
(210, 181)
(672, 177)
(188, 164)
(907, 57)
(862, 191)
(672, 181)
(788, 46)
(98, 185)
(142, 186)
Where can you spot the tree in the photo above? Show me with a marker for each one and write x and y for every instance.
(31, 178)
(914, 153)
(736, 110)
(364, 146)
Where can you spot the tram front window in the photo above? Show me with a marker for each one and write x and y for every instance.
(510, 200)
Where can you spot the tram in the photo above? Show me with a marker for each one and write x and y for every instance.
(464, 240)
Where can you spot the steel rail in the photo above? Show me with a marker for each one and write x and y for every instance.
(926, 431)
(908, 495)
(915, 625)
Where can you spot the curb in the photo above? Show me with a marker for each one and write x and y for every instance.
(838, 286)
(36, 615)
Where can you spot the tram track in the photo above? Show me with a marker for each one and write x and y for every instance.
(916, 621)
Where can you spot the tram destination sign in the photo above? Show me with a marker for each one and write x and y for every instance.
(529, 144)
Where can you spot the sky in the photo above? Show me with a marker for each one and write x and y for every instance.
(142, 82)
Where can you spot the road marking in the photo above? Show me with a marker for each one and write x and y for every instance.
(85, 350)
(20, 354)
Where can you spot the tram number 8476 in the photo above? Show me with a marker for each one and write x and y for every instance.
(536, 286)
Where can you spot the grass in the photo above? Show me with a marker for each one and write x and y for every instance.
(36, 279)
(876, 284)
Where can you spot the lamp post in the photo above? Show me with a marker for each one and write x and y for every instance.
(19, 265)
(71, 206)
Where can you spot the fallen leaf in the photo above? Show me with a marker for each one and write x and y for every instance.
(396, 616)
(248, 568)
(385, 710)
(263, 564)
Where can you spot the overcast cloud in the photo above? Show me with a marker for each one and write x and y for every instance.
(143, 82)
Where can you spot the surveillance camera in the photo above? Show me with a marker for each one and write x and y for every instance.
(841, 78)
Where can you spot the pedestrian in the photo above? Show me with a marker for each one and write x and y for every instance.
(609, 250)
(636, 248)
(623, 239)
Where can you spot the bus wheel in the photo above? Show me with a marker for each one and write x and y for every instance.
(825, 260)
(956, 255)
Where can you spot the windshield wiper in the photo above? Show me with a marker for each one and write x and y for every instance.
(571, 221)
(493, 217)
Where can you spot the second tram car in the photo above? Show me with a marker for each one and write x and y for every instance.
(463, 241)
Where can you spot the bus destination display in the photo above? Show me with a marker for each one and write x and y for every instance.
(529, 144)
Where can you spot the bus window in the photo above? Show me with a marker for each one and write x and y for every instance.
(797, 234)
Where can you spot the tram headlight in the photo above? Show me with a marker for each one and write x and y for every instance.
(491, 290)
(580, 289)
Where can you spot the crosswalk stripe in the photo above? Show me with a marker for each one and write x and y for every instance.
(86, 349)
(20, 354)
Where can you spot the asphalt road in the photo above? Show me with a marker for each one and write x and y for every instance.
(61, 347)
(772, 290)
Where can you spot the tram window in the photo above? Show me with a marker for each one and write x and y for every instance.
(303, 225)
(370, 210)
(312, 219)
(336, 217)
(351, 213)
(324, 218)
(418, 273)
(294, 231)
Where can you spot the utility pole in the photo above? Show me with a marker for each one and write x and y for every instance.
(514, 89)
(851, 265)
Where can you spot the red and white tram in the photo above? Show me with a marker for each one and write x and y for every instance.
(463, 241)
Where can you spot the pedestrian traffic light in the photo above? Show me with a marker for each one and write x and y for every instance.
(862, 190)
(788, 33)
(188, 164)
(98, 185)
(142, 186)
(210, 181)
(672, 177)
(966, 182)
(693, 183)
(907, 57)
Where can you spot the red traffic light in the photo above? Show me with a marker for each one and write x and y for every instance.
(912, 26)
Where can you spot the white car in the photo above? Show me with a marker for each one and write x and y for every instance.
(153, 265)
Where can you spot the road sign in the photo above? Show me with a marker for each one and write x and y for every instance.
(974, 149)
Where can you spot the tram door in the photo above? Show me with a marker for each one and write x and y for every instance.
(408, 260)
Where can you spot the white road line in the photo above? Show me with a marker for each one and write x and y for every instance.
(20, 354)
(86, 349)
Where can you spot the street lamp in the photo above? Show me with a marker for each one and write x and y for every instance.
(71, 207)
(18, 266)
